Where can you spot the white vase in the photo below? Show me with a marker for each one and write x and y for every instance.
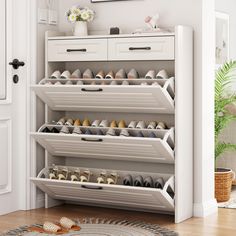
(81, 28)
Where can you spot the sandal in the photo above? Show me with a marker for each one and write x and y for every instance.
(112, 178)
(102, 178)
(85, 176)
(63, 174)
(74, 176)
(69, 224)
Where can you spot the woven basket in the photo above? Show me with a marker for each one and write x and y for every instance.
(223, 184)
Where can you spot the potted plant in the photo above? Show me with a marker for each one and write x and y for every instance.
(223, 100)
(79, 16)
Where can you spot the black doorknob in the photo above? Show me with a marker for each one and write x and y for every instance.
(16, 63)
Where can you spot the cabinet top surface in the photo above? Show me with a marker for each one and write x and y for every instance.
(138, 35)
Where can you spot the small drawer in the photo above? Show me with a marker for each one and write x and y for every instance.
(77, 50)
(148, 48)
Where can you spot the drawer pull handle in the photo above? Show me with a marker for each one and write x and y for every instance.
(139, 48)
(92, 187)
(77, 50)
(91, 90)
(92, 140)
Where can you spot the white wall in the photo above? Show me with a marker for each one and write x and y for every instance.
(129, 15)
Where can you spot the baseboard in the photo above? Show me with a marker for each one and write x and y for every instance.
(205, 209)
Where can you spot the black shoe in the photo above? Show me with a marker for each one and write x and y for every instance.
(55, 131)
(138, 182)
(148, 182)
(46, 130)
(128, 180)
(159, 183)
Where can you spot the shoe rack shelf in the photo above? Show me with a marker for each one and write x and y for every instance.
(92, 192)
(167, 154)
(158, 149)
(131, 98)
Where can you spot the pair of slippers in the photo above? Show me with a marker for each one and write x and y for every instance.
(147, 182)
(64, 226)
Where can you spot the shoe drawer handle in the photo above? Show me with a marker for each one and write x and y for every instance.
(92, 187)
(77, 50)
(91, 90)
(91, 140)
(140, 48)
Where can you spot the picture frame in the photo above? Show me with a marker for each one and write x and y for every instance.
(222, 38)
(97, 1)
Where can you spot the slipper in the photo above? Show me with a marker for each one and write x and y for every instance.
(74, 175)
(112, 178)
(132, 124)
(111, 132)
(76, 74)
(141, 125)
(101, 179)
(113, 124)
(49, 228)
(65, 130)
(63, 174)
(138, 182)
(96, 123)
(110, 75)
(100, 75)
(124, 133)
(69, 224)
(104, 124)
(85, 176)
(133, 74)
(88, 74)
(148, 182)
(46, 130)
(122, 124)
(86, 122)
(161, 125)
(128, 180)
(152, 125)
(62, 121)
(55, 131)
(159, 183)
(77, 122)
(162, 74)
(69, 122)
(150, 74)
(121, 74)
(56, 75)
(66, 74)
(52, 173)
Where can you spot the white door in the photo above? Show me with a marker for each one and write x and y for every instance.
(13, 45)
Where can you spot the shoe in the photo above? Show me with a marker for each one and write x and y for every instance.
(121, 74)
(74, 175)
(102, 178)
(140, 134)
(152, 135)
(56, 75)
(125, 83)
(155, 84)
(88, 132)
(46, 130)
(52, 173)
(112, 178)
(113, 124)
(141, 125)
(69, 83)
(55, 131)
(133, 74)
(77, 130)
(69, 122)
(138, 181)
(104, 124)
(159, 183)
(86, 122)
(122, 124)
(65, 130)
(148, 182)
(111, 132)
(100, 75)
(113, 83)
(162, 74)
(161, 125)
(88, 74)
(110, 75)
(62, 174)
(62, 121)
(58, 83)
(69, 224)
(85, 176)
(80, 82)
(150, 74)
(76, 74)
(152, 125)
(77, 122)
(99, 132)
(96, 123)
(128, 180)
(132, 124)
(48, 83)
(66, 74)
(124, 133)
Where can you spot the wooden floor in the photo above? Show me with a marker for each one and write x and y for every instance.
(223, 224)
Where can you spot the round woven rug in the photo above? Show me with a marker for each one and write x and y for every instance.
(103, 227)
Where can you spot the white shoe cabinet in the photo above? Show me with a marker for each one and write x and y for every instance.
(169, 155)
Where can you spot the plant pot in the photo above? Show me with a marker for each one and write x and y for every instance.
(223, 184)
(81, 28)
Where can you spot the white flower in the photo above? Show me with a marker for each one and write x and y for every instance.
(76, 11)
(72, 18)
(85, 15)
